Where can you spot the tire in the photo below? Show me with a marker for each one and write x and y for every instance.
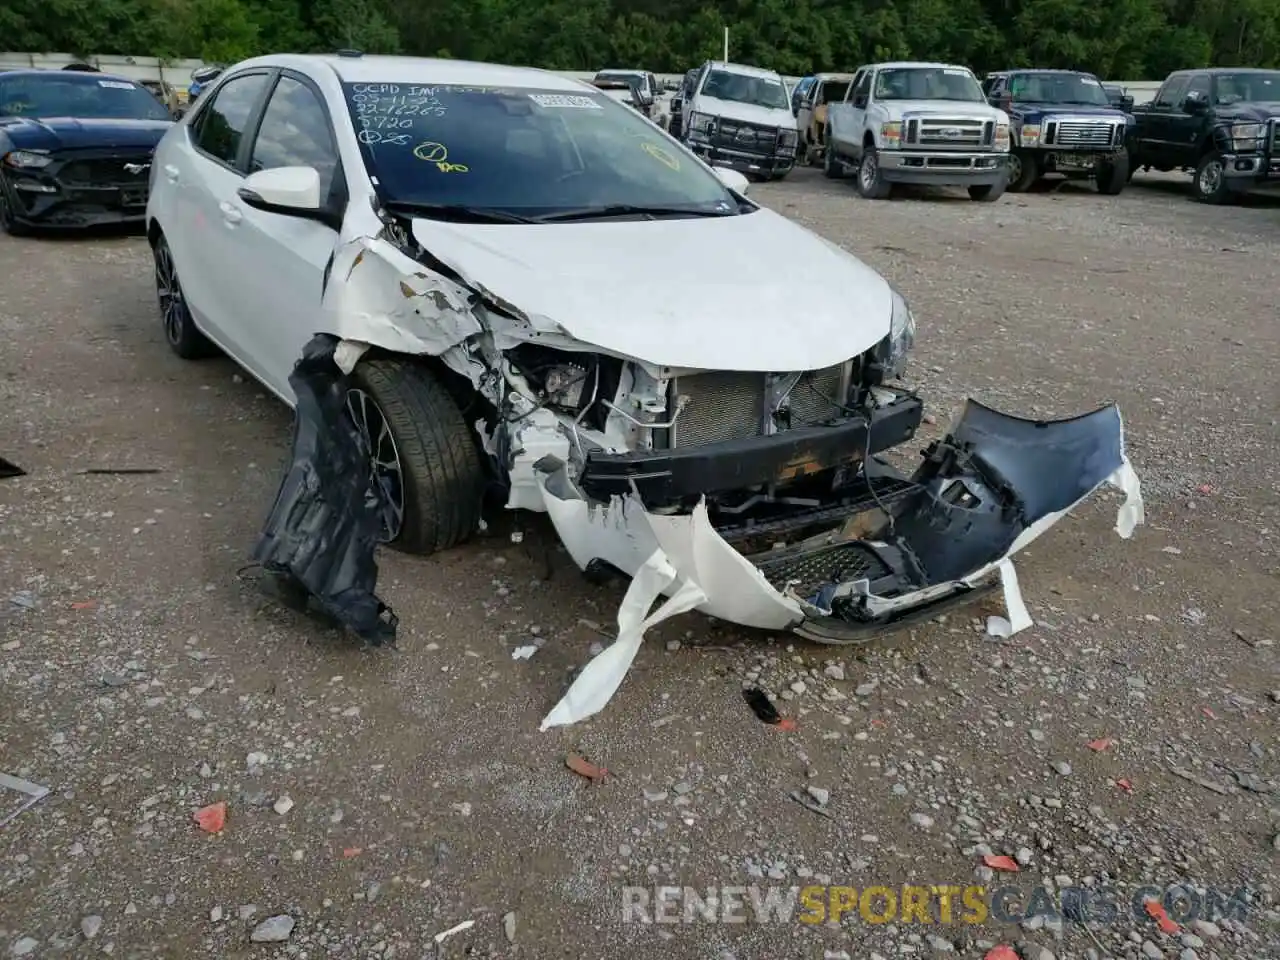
(8, 217)
(1024, 171)
(987, 192)
(1204, 186)
(832, 166)
(180, 330)
(441, 476)
(1114, 177)
(871, 182)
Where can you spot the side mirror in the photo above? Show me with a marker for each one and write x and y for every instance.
(732, 179)
(1194, 103)
(288, 191)
(1126, 103)
(860, 101)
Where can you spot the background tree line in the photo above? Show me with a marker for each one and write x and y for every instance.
(1119, 39)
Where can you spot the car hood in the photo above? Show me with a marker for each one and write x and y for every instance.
(754, 292)
(945, 108)
(1263, 110)
(744, 112)
(69, 133)
(1035, 108)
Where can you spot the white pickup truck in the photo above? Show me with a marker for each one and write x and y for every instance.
(924, 123)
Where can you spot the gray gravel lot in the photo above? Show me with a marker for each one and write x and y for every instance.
(140, 679)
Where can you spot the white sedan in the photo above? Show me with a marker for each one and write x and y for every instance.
(526, 286)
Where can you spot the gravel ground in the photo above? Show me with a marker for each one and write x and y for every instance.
(378, 797)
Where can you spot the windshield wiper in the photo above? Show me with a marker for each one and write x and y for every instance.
(629, 210)
(457, 212)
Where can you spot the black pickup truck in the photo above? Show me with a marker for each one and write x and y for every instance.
(1224, 124)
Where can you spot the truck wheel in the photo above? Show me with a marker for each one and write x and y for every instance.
(987, 192)
(423, 451)
(1210, 182)
(832, 165)
(1112, 177)
(1024, 171)
(871, 182)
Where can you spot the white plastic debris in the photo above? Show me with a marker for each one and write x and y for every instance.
(600, 678)
(523, 653)
(1017, 617)
(444, 935)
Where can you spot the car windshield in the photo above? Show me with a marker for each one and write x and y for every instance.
(1079, 88)
(84, 96)
(527, 152)
(746, 88)
(1260, 86)
(927, 83)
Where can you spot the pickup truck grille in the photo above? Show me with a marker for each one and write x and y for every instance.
(748, 137)
(941, 133)
(726, 405)
(1081, 134)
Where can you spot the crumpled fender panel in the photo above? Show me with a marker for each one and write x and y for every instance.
(323, 529)
(994, 484)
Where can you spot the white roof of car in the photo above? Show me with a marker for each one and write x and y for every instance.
(746, 70)
(426, 70)
(917, 63)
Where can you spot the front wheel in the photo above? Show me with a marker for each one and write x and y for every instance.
(987, 192)
(871, 182)
(1210, 182)
(1114, 176)
(423, 452)
(1024, 171)
(180, 330)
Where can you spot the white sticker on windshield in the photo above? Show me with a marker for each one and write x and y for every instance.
(564, 100)
(115, 84)
(955, 71)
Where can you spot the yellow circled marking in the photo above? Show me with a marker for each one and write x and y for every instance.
(661, 155)
(431, 152)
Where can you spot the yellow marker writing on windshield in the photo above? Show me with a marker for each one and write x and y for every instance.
(438, 153)
(665, 157)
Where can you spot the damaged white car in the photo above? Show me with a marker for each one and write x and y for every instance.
(500, 279)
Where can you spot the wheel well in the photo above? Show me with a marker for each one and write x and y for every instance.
(154, 232)
(868, 140)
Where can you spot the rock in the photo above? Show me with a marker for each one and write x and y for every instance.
(834, 672)
(1191, 940)
(820, 795)
(1024, 856)
(90, 926)
(1151, 951)
(798, 687)
(24, 947)
(1206, 928)
(866, 689)
(683, 787)
(922, 820)
(509, 926)
(1062, 767)
(1037, 735)
(247, 911)
(283, 805)
(1188, 954)
(215, 915)
(273, 929)
(941, 944)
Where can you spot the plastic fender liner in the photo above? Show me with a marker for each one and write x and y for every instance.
(324, 526)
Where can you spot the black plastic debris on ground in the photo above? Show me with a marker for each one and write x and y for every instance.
(9, 470)
(320, 537)
(761, 705)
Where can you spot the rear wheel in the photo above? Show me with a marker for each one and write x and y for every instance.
(871, 182)
(1210, 182)
(423, 454)
(179, 328)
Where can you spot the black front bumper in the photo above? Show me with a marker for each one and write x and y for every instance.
(81, 191)
(665, 477)
(745, 161)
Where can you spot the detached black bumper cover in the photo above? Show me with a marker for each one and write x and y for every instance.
(664, 477)
(320, 537)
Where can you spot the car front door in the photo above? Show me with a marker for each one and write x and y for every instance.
(1159, 119)
(282, 258)
(1186, 129)
(860, 97)
(205, 176)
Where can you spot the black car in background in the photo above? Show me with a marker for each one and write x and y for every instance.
(75, 148)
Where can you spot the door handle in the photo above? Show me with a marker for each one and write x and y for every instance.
(230, 213)
(171, 172)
